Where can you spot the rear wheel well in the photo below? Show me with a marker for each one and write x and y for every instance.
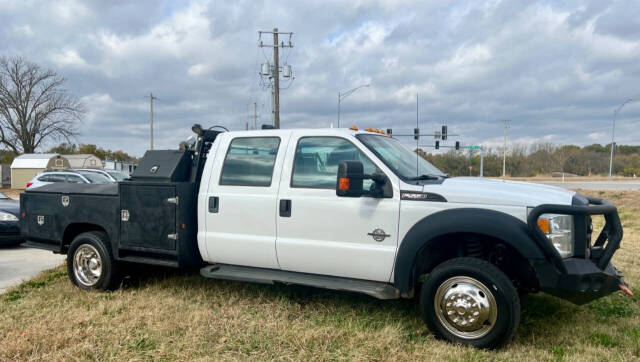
(494, 250)
(74, 230)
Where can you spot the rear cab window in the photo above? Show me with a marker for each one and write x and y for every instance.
(250, 161)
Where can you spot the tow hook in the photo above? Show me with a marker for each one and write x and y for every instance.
(625, 288)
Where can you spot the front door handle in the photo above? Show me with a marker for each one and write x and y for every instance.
(285, 208)
(214, 204)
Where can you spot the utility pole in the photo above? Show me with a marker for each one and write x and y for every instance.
(255, 115)
(417, 127)
(504, 150)
(275, 72)
(276, 80)
(151, 98)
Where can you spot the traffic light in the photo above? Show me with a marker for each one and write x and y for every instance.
(444, 132)
(437, 145)
(457, 145)
(416, 133)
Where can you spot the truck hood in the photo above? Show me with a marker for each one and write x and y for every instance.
(475, 190)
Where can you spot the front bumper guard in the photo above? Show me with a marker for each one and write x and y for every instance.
(580, 280)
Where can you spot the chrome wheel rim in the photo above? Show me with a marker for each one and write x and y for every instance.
(87, 265)
(465, 307)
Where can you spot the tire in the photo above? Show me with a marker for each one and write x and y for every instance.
(90, 262)
(471, 302)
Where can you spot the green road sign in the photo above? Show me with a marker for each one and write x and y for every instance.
(473, 147)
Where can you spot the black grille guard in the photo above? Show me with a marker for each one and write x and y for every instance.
(612, 231)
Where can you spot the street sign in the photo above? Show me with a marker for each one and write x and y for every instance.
(473, 147)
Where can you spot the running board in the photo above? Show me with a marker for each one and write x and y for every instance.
(271, 276)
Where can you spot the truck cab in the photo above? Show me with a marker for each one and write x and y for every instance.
(274, 202)
(342, 209)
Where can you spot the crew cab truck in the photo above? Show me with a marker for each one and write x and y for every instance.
(340, 209)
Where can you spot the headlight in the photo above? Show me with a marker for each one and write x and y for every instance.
(5, 216)
(559, 229)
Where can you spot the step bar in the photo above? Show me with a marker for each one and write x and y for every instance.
(271, 276)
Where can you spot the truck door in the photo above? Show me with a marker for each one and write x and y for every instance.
(241, 200)
(321, 233)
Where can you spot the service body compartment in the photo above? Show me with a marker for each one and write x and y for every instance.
(158, 219)
(51, 209)
(148, 216)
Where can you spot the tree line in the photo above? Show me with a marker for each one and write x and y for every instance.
(540, 159)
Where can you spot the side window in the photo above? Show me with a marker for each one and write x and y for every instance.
(45, 178)
(249, 161)
(317, 158)
(75, 179)
(56, 178)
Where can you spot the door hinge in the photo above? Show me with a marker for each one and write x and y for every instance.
(173, 200)
(173, 236)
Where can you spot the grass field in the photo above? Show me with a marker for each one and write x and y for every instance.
(165, 315)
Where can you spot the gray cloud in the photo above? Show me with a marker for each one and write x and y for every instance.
(556, 70)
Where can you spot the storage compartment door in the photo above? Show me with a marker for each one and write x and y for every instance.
(151, 220)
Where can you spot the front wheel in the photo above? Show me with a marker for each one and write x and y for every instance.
(90, 263)
(470, 301)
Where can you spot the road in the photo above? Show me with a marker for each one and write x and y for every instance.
(596, 185)
(18, 264)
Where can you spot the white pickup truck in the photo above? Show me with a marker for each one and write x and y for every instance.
(341, 209)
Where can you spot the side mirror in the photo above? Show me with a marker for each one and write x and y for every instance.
(350, 176)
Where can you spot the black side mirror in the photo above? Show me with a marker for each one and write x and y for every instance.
(349, 181)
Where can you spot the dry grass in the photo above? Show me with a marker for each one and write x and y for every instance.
(165, 315)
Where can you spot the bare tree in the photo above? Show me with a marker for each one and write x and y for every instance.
(34, 106)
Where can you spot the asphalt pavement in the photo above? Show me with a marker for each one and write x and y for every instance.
(18, 264)
(596, 185)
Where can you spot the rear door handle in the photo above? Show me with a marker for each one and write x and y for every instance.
(214, 203)
(285, 208)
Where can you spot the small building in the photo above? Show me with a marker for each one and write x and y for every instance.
(84, 161)
(25, 167)
(124, 166)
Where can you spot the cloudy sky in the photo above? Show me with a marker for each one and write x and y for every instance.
(556, 69)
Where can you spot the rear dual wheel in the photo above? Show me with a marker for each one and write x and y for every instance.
(471, 302)
(90, 262)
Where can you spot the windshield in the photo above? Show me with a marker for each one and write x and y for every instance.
(119, 176)
(95, 178)
(398, 157)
